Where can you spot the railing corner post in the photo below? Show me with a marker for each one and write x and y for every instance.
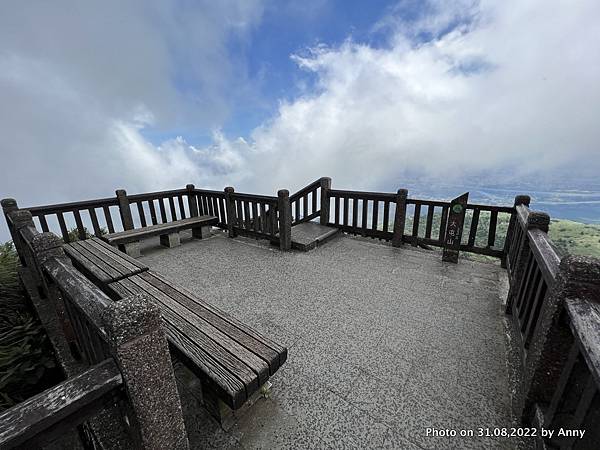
(124, 210)
(192, 200)
(325, 187)
(230, 207)
(285, 219)
(399, 217)
(139, 346)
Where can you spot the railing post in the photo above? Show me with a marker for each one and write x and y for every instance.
(230, 206)
(519, 200)
(399, 217)
(325, 187)
(285, 219)
(578, 278)
(535, 219)
(9, 205)
(192, 200)
(21, 218)
(124, 209)
(139, 346)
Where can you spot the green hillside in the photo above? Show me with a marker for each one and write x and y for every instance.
(576, 238)
(569, 237)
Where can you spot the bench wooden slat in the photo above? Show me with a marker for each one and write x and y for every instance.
(247, 337)
(91, 264)
(102, 262)
(123, 237)
(222, 345)
(231, 378)
(132, 264)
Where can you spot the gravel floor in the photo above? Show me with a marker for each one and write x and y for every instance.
(384, 343)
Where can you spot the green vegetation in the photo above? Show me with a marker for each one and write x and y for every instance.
(74, 233)
(576, 238)
(569, 237)
(25, 356)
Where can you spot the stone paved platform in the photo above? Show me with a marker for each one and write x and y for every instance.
(383, 342)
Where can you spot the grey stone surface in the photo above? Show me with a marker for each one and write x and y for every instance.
(383, 342)
(307, 235)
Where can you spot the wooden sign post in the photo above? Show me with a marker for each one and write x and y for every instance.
(454, 228)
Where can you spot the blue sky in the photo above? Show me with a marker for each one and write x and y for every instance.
(264, 95)
(287, 28)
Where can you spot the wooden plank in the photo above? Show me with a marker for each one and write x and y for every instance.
(172, 209)
(337, 210)
(585, 323)
(386, 215)
(313, 198)
(43, 223)
(141, 213)
(262, 219)
(354, 213)
(375, 218)
(305, 205)
(95, 224)
(80, 228)
(182, 214)
(98, 246)
(443, 222)
(245, 365)
(65, 402)
(123, 237)
(222, 322)
(474, 226)
(346, 208)
(429, 224)
(297, 210)
(538, 301)
(153, 217)
(232, 377)
(365, 207)
(108, 219)
(246, 215)
(239, 214)
(416, 220)
(492, 230)
(91, 264)
(63, 227)
(219, 316)
(255, 217)
(163, 212)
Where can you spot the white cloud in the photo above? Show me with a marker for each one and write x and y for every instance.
(79, 81)
(514, 89)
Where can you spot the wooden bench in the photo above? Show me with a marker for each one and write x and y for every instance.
(232, 360)
(102, 263)
(128, 240)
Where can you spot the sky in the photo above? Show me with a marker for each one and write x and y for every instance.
(263, 95)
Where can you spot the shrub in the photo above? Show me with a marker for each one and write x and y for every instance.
(25, 355)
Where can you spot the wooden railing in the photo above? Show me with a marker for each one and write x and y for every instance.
(554, 304)
(358, 212)
(83, 215)
(211, 203)
(397, 218)
(306, 203)
(575, 400)
(254, 215)
(114, 355)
